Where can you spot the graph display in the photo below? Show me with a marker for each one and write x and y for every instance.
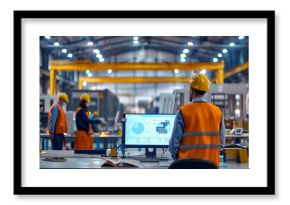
(148, 129)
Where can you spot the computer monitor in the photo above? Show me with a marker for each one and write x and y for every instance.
(147, 131)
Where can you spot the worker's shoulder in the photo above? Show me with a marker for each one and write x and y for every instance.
(214, 106)
(185, 105)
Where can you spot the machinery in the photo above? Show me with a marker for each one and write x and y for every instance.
(231, 98)
(46, 101)
(170, 103)
(103, 101)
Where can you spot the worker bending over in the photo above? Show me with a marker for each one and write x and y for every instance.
(84, 133)
(95, 126)
(199, 126)
(57, 125)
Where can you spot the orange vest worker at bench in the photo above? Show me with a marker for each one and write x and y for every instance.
(57, 125)
(84, 133)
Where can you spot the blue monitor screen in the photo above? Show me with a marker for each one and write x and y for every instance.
(148, 129)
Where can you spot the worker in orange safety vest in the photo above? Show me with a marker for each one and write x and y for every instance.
(84, 133)
(57, 124)
(199, 126)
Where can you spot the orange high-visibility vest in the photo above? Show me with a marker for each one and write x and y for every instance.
(84, 140)
(60, 125)
(201, 134)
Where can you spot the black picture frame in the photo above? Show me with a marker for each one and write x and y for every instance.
(269, 16)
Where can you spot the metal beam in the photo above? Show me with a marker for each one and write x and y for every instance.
(111, 80)
(237, 69)
(87, 65)
(82, 66)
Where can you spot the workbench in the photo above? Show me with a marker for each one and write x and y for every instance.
(85, 161)
(97, 138)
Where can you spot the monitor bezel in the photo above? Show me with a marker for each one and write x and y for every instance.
(140, 146)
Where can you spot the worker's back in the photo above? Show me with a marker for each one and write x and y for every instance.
(201, 138)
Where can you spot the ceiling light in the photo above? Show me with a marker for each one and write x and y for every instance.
(110, 71)
(64, 50)
(220, 55)
(189, 43)
(96, 51)
(84, 83)
(135, 42)
(87, 71)
(176, 71)
(70, 55)
(47, 37)
(135, 38)
(185, 50)
(215, 60)
(56, 44)
(99, 55)
(183, 55)
(90, 74)
(90, 43)
(232, 44)
(225, 50)
(203, 71)
(241, 37)
(182, 59)
(101, 59)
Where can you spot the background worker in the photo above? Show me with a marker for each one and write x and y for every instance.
(199, 126)
(84, 133)
(57, 124)
(95, 126)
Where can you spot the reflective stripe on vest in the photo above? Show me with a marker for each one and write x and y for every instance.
(200, 146)
(185, 134)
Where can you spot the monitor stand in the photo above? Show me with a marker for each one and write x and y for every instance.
(150, 152)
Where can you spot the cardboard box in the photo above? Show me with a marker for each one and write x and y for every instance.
(241, 155)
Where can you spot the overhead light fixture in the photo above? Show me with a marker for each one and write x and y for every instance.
(110, 71)
(241, 37)
(47, 37)
(182, 59)
(99, 55)
(64, 50)
(225, 50)
(90, 74)
(215, 60)
(203, 71)
(56, 44)
(220, 55)
(185, 50)
(84, 83)
(87, 71)
(176, 71)
(101, 59)
(70, 55)
(135, 42)
(232, 44)
(96, 51)
(135, 38)
(189, 43)
(90, 43)
(183, 55)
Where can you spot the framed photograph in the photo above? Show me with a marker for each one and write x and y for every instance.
(129, 71)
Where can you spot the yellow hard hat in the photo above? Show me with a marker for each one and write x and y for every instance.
(86, 97)
(96, 114)
(63, 96)
(199, 82)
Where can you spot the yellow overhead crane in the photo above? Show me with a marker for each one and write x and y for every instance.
(131, 80)
(82, 66)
